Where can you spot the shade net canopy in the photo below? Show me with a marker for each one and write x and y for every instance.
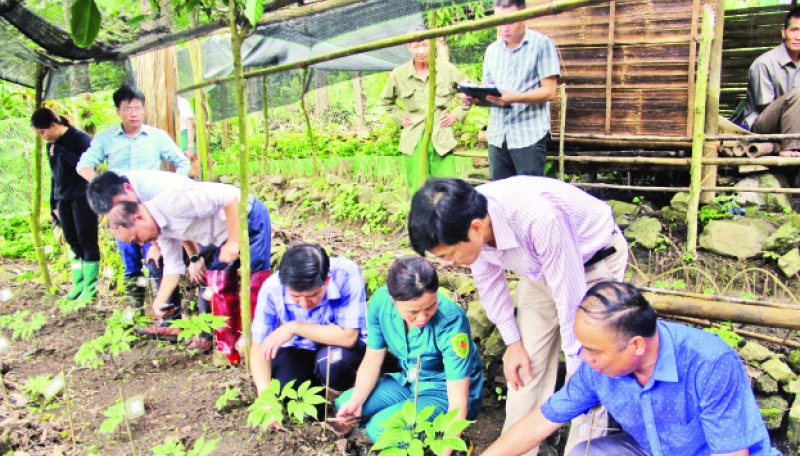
(35, 33)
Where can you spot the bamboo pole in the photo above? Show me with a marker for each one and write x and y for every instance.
(709, 172)
(237, 36)
(738, 313)
(551, 7)
(562, 133)
(199, 112)
(265, 113)
(698, 136)
(612, 8)
(312, 146)
(716, 298)
(36, 207)
(754, 138)
(429, 117)
(685, 189)
(741, 332)
(679, 161)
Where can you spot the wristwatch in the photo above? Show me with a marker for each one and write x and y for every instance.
(194, 258)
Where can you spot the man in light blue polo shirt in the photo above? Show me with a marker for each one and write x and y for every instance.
(127, 147)
(674, 390)
(312, 303)
(523, 65)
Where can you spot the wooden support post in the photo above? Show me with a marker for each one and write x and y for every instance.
(237, 37)
(36, 207)
(710, 150)
(612, 9)
(562, 133)
(361, 104)
(698, 137)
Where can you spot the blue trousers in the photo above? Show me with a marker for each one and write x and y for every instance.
(259, 229)
(389, 396)
(133, 256)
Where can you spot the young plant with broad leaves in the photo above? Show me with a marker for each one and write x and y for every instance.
(408, 433)
(23, 324)
(176, 448)
(273, 403)
(115, 416)
(198, 324)
(115, 340)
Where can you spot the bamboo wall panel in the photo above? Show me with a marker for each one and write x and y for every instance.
(650, 66)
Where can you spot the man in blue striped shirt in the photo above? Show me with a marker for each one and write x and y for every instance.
(523, 65)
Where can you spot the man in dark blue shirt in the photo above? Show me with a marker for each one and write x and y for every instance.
(674, 390)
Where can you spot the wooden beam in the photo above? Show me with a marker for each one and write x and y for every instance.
(737, 313)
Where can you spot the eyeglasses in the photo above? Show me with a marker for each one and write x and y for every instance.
(137, 109)
(446, 259)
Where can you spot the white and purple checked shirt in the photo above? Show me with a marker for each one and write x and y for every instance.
(543, 229)
(344, 305)
(191, 212)
(520, 70)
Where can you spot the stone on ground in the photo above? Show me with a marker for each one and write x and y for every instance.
(741, 238)
(680, 202)
(494, 347)
(753, 351)
(790, 263)
(794, 360)
(793, 387)
(793, 426)
(772, 409)
(784, 239)
(478, 322)
(778, 370)
(623, 212)
(646, 231)
(765, 385)
(333, 179)
(765, 201)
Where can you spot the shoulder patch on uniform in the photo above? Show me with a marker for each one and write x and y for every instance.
(461, 345)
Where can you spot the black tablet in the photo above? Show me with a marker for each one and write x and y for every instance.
(479, 91)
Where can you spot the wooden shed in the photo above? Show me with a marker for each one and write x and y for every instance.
(628, 66)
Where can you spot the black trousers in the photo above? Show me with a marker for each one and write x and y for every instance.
(525, 161)
(300, 365)
(79, 223)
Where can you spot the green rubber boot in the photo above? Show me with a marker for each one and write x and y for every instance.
(91, 272)
(77, 280)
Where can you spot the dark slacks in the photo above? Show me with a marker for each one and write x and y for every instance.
(300, 365)
(79, 223)
(525, 161)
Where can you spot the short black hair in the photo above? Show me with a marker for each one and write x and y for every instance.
(42, 118)
(127, 93)
(793, 13)
(520, 4)
(304, 267)
(410, 277)
(121, 215)
(102, 189)
(622, 308)
(441, 213)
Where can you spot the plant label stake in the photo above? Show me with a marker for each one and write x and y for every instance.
(4, 344)
(134, 407)
(141, 282)
(6, 295)
(208, 293)
(55, 386)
